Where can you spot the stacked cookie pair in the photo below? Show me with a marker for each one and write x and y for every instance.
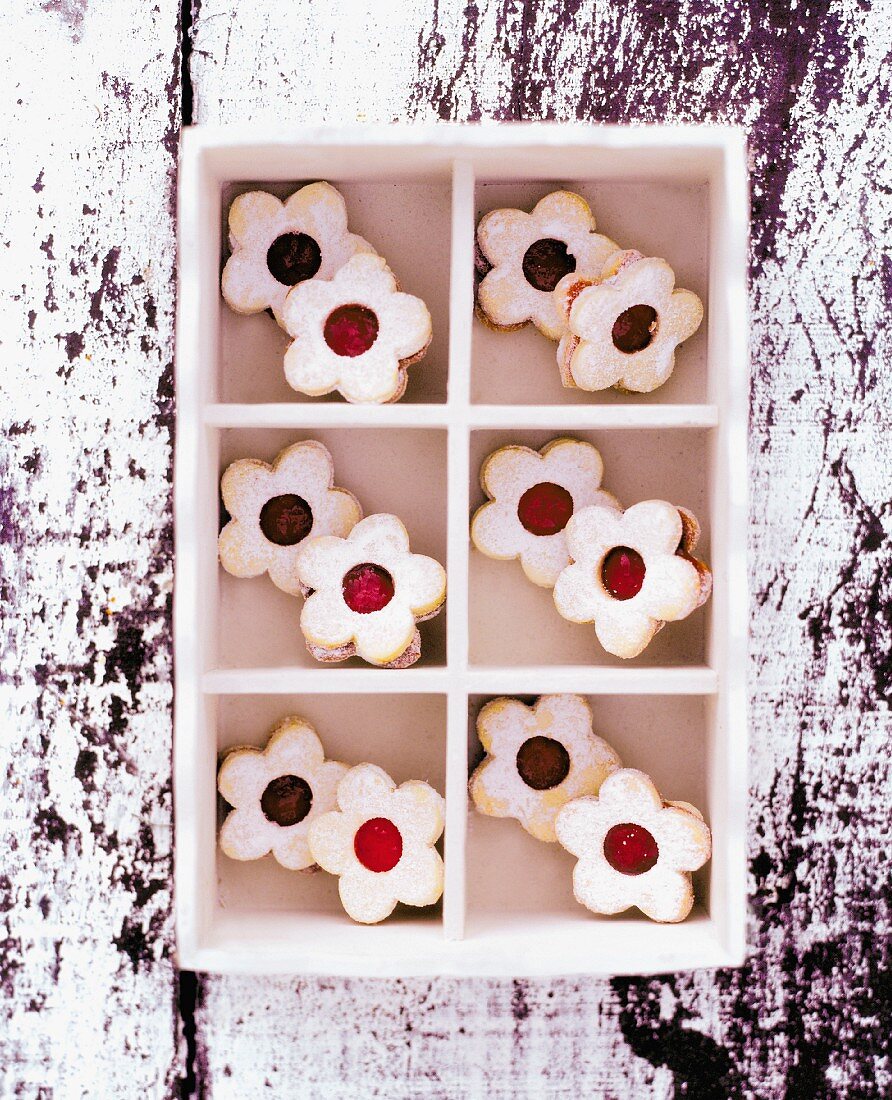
(547, 768)
(628, 572)
(365, 591)
(353, 822)
(614, 313)
(352, 329)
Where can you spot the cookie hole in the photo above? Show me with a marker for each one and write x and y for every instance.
(286, 800)
(545, 509)
(292, 258)
(542, 763)
(630, 849)
(367, 588)
(546, 262)
(634, 329)
(286, 520)
(351, 330)
(378, 844)
(622, 572)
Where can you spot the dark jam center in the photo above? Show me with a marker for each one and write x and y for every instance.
(545, 509)
(634, 329)
(351, 330)
(546, 262)
(367, 588)
(542, 763)
(286, 519)
(287, 800)
(623, 572)
(630, 849)
(378, 844)
(292, 258)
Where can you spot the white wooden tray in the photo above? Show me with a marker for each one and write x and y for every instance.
(678, 712)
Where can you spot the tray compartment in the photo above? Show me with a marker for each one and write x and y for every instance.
(259, 624)
(406, 221)
(514, 622)
(660, 217)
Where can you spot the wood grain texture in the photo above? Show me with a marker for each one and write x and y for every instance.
(91, 107)
(809, 1015)
(90, 116)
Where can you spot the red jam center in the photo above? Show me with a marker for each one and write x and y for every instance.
(634, 329)
(367, 588)
(542, 763)
(287, 800)
(630, 849)
(378, 844)
(546, 262)
(351, 330)
(286, 520)
(623, 572)
(292, 258)
(545, 509)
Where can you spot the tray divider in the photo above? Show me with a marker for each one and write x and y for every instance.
(458, 405)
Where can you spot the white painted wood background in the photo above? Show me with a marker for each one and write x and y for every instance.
(92, 100)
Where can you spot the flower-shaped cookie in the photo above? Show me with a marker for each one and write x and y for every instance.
(277, 794)
(631, 573)
(530, 254)
(369, 593)
(275, 508)
(633, 848)
(538, 758)
(624, 329)
(357, 334)
(380, 841)
(532, 495)
(276, 245)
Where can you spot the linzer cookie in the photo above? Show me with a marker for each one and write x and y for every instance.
(380, 842)
(276, 245)
(633, 848)
(369, 592)
(275, 508)
(537, 759)
(533, 495)
(625, 325)
(277, 793)
(529, 254)
(632, 572)
(356, 333)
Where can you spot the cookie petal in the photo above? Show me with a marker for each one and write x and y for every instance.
(243, 777)
(365, 899)
(245, 834)
(365, 791)
(330, 838)
(418, 879)
(418, 812)
(326, 621)
(421, 582)
(684, 840)
(671, 588)
(665, 896)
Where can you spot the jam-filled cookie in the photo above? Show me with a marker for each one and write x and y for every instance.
(357, 333)
(533, 495)
(624, 327)
(537, 759)
(380, 842)
(275, 508)
(529, 254)
(277, 793)
(369, 592)
(276, 245)
(633, 848)
(632, 572)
